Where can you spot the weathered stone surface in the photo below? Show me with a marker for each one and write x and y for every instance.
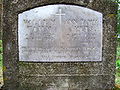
(60, 33)
(62, 76)
(1, 19)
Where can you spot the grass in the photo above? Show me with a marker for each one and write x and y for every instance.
(1, 65)
(117, 80)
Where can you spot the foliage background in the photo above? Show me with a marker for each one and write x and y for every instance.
(117, 80)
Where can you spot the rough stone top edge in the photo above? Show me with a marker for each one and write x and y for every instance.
(19, 6)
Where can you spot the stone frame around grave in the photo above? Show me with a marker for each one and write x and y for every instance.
(100, 70)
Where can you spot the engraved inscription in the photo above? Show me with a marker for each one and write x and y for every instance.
(60, 33)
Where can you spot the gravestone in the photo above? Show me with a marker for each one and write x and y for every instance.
(48, 38)
(59, 45)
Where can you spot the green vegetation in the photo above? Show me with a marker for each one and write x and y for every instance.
(1, 53)
(118, 64)
(118, 57)
(118, 17)
(118, 49)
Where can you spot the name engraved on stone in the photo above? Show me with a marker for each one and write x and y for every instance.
(60, 33)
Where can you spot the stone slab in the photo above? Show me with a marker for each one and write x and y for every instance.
(60, 33)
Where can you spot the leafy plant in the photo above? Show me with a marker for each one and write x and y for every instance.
(118, 16)
(118, 63)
